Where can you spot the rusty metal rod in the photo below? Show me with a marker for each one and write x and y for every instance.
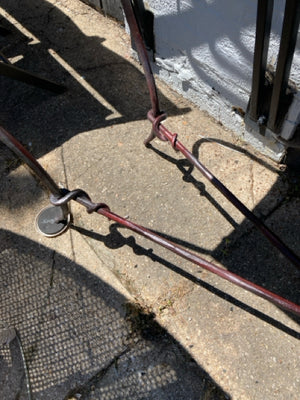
(15, 146)
(142, 52)
(172, 138)
(82, 198)
(61, 197)
(163, 133)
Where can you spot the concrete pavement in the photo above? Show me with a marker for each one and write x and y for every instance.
(103, 313)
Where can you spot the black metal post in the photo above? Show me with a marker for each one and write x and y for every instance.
(263, 27)
(285, 58)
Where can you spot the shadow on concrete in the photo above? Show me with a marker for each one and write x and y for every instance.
(81, 336)
(115, 240)
(246, 251)
(26, 189)
(47, 120)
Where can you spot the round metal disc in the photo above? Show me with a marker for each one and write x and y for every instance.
(51, 222)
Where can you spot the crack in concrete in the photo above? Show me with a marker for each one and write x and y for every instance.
(96, 378)
(88, 168)
(51, 273)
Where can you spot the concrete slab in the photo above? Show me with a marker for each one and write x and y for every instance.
(81, 337)
(91, 137)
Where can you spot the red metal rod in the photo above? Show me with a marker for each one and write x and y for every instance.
(288, 253)
(142, 52)
(162, 132)
(102, 209)
(14, 145)
(61, 197)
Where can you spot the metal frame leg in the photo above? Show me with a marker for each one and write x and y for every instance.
(51, 221)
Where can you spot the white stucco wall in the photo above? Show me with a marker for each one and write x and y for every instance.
(204, 49)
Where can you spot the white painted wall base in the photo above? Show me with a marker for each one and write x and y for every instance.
(222, 110)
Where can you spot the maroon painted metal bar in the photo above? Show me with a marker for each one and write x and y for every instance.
(14, 145)
(172, 138)
(142, 52)
(61, 197)
(102, 209)
(82, 198)
(159, 130)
